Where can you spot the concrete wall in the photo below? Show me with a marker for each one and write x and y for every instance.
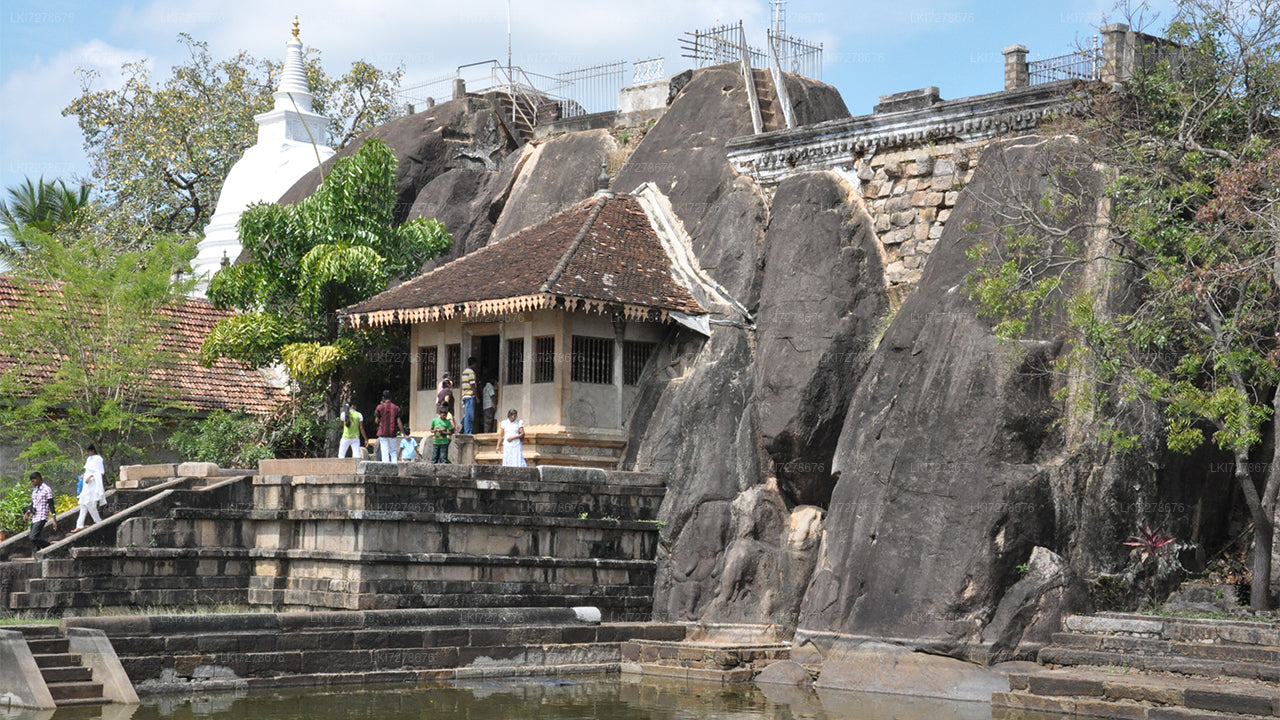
(560, 402)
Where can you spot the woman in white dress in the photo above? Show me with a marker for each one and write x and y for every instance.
(92, 494)
(511, 441)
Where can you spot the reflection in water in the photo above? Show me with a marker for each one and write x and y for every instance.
(587, 698)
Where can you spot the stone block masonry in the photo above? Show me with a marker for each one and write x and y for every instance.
(207, 652)
(908, 162)
(340, 535)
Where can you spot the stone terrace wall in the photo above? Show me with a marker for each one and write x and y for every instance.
(908, 161)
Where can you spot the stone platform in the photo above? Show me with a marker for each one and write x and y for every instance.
(1142, 667)
(340, 534)
(725, 663)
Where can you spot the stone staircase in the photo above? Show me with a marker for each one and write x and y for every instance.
(69, 681)
(1130, 666)
(721, 662)
(770, 110)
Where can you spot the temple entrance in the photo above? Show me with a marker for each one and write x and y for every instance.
(485, 349)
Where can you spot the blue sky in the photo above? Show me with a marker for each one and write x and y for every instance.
(870, 48)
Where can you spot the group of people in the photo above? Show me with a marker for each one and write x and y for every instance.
(90, 493)
(395, 444)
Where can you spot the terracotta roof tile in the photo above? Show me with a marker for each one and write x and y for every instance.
(227, 385)
(601, 252)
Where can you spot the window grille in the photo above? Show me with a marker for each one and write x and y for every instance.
(455, 363)
(634, 356)
(544, 359)
(515, 361)
(428, 368)
(592, 360)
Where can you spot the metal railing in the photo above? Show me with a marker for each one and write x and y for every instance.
(1085, 64)
(780, 83)
(648, 70)
(797, 56)
(719, 45)
(590, 89)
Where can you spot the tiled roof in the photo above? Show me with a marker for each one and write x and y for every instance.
(227, 385)
(602, 254)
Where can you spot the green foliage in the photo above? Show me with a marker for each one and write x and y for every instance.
(161, 149)
(335, 248)
(15, 497)
(45, 206)
(85, 342)
(241, 440)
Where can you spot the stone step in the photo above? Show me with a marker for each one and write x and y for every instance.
(261, 664)
(613, 608)
(1242, 632)
(385, 638)
(698, 674)
(76, 673)
(715, 656)
(1220, 695)
(1210, 650)
(124, 598)
(35, 632)
(63, 691)
(48, 646)
(54, 660)
(1267, 672)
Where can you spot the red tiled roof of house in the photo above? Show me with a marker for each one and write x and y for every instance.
(602, 254)
(227, 385)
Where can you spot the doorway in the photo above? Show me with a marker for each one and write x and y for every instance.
(485, 349)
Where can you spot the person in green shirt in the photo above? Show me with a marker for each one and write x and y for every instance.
(441, 429)
(353, 436)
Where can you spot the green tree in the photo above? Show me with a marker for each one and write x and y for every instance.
(308, 260)
(1192, 145)
(80, 346)
(44, 206)
(161, 150)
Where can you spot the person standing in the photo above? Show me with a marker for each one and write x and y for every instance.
(40, 512)
(92, 492)
(444, 393)
(468, 389)
(408, 447)
(441, 429)
(353, 435)
(387, 416)
(488, 405)
(511, 441)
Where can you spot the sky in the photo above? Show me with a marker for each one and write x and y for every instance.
(869, 48)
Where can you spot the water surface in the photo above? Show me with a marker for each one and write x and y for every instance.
(579, 698)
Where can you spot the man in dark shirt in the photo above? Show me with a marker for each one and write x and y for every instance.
(387, 415)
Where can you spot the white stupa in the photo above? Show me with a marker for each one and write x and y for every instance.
(291, 141)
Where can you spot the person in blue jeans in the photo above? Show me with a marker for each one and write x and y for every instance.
(468, 388)
(441, 429)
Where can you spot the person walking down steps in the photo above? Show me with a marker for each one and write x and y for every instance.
(92, 492)
(40, 511)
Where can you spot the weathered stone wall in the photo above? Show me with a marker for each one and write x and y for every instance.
(909, 194)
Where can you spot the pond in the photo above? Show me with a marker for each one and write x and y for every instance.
(584, 698)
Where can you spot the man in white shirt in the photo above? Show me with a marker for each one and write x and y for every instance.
(487, 397)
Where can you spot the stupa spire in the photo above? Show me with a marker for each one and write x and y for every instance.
(293, 78)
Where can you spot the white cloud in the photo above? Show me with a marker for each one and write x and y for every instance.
(35, 139)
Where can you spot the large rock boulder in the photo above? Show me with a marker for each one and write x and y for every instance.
(684, 156)
(821, 303)
(555, 173)
(463, 133)
(943, 490)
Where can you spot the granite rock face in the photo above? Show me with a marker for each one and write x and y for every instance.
(943, 489)
(822, 300)
(555, 174)
(462, 133)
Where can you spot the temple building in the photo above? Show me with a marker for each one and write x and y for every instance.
(292, 139)
(569, 316)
